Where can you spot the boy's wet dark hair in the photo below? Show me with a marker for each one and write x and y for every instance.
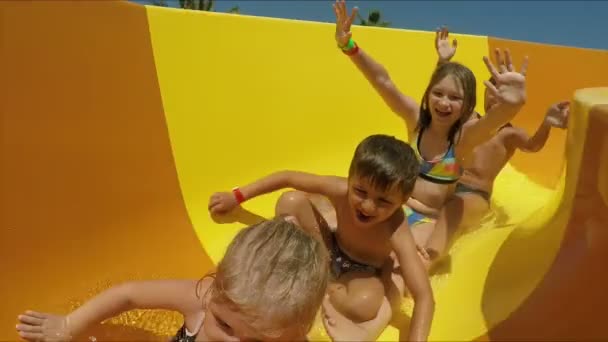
(386, 161)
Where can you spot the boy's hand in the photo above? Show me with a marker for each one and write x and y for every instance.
(425, 257)
(557, 115)
(37, 326)
(445, 51)
(222, 203)
(343, 22)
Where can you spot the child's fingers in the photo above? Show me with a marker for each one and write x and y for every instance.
(31, 336)
(36, 314)
(30, 320)
(437, 36)
(490, 67)
(353, 15)
(524, 66)
(215, 206)
(29, 328)
(497, 57)
(215, 209)
(328, 308)
(330, 331)
(508, 60)
(454, 43)
(499, 61)
(491, 88)
(336, 13)
(423, 252)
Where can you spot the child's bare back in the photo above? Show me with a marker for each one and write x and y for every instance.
(488, 160)
(491, 157)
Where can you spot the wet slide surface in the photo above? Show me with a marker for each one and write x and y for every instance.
(119, 121)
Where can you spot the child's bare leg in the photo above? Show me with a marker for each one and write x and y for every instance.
(395, 291)
(340, 327)
(462, 210)
(474, 208)
(422, 232)
(357, 295)
(298, 205)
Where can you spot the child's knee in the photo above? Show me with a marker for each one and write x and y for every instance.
(291, 201)
(360, 300)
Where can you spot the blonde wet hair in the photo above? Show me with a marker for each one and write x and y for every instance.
(274, 274)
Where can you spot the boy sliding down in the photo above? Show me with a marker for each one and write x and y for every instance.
(370, 225)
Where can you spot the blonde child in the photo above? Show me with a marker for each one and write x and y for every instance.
(268, 286)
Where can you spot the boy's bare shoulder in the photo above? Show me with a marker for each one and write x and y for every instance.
(397, 221)
(339, 185)
(400, 233)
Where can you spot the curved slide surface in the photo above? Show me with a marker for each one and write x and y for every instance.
(120, 120)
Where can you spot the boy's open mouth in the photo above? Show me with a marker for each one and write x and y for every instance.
(362, 217)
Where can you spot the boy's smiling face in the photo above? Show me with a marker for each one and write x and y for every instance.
(371, 205)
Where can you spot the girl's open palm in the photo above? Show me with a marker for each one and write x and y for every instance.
(510, 85)
(343, 22)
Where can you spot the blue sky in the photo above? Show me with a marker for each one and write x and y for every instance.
(572, 23)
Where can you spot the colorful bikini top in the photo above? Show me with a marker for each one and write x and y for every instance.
(444, 170)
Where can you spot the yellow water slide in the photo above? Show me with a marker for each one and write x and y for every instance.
(120, 120)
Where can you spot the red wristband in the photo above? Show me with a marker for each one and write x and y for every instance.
(238, 195)
(352, 51)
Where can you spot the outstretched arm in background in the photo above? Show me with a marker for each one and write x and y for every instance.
(557, 116)
(510, 92)
(177, 295)
(401, 104)
(445, 50)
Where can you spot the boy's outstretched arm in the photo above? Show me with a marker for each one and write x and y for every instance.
(177, 295)
(224, 202)
(557, 116)
(401, 104)
(416, 280)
